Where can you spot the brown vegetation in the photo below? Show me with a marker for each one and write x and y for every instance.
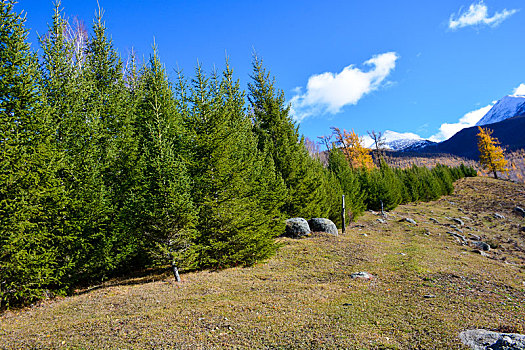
(516, 162)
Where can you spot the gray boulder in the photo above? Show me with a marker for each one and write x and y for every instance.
(296, 227)
(323, 225)
(409, 220)
(520, 211)
(362, 275)
(481, 245)
(481, 339)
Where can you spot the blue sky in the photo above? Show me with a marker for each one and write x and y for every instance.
(406, 66)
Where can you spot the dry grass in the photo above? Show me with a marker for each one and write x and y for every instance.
(305, 298)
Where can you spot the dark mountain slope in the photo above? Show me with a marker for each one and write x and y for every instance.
(510, 132)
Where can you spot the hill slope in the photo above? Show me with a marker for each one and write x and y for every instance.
(464, 143)
(428, 287)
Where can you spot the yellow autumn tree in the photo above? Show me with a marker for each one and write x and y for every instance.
(357, 155)
(490, 153)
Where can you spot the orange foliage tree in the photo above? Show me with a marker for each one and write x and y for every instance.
(357, 155)
(490, 154)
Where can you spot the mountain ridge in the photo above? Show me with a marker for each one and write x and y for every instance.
(506, 118)
(505, 108)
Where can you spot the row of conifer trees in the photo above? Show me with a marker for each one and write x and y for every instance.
(106, 168)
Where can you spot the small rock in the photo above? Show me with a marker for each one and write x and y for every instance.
(362, 275)
(481, 339)
(296, 227)
(429, 296)
(476, 237)
(457, 235)
(381, 221)
(458, 221)
(403, 254)
(498, 216)
(434, 220)
(481, 245)
(364, 234)
(347, 304)
(459, 230)
(481, 252)
(409, 220)
(427, 233)
(520, 211)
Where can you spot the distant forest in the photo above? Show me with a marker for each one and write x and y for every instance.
(107, 168)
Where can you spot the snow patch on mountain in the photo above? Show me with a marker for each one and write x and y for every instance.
(508, 107)
(397, 141)
(408, 145)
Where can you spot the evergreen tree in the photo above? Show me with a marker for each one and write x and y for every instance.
(490, 154)
(350, 185)
(430, 187)
(32, 200)
(444, 177)
(234, 224)
(160, 208)
(277, 134)
(412, 187)
(102, 158)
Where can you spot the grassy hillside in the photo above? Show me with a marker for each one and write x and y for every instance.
(427, 288)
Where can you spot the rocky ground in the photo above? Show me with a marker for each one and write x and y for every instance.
(457, 264)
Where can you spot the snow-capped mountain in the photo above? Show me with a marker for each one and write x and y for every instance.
(397, 141)
(504, 109)
(507, 107)
(408, 145)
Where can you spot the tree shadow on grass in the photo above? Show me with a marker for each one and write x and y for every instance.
(137, 277)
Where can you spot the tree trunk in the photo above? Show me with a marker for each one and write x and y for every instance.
(495, 174)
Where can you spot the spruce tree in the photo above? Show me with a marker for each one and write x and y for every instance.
(277, 134)
(102, 159)
(160, 210)
(231, 182)
(33, 258)
(349, 180)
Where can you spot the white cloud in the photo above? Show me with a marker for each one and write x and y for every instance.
(447, 130)
(477, 14)
(519, 91)
(330, 92)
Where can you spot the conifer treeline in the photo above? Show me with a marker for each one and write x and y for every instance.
(105, 169)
